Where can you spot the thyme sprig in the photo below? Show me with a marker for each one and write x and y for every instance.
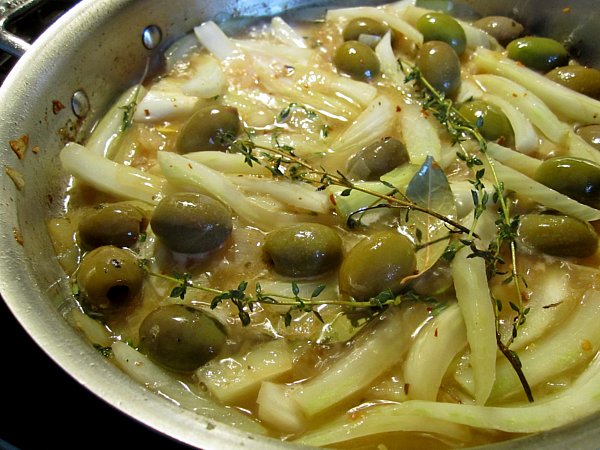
(246, 300)
(281, 161)
(460, 131)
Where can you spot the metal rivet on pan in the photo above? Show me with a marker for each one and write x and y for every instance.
(80, 104)
(151, 36)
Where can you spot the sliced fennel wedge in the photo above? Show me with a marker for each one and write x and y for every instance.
(528, 103)
(107, 176)
(145, 372)
(188, 174)
(387, 337)
(560, 99)
(581, 399)
(107, 134)
(434, 348)
(522, 184)
(475, 302)
(240, 376)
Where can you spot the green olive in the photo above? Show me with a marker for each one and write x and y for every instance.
(584, 80)
(357, 60)
(119, 224)
(207, 128)
(109, 277)
(558, 235)
(590, 134)
(490, 120)
(377, 263)
(575, 177)
(538, 53)
(378, 158)
(503, 29)
(436, 280)
(363, 25)
(303, 250)
(440, 66)
(191, 223)
(437, 26)
(181, 338)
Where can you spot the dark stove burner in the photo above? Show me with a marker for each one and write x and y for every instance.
(31, 25)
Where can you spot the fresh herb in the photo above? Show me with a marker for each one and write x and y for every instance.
(246, 299)
(285, 113)
(104, 351)
(281, 161)
(461, 131)
(129, 110)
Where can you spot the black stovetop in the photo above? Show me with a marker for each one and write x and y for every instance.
(41, 406)
(31, 25)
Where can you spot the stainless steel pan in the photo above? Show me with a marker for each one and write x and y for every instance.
(59, 89)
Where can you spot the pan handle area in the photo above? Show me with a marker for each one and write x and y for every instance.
(9, 11)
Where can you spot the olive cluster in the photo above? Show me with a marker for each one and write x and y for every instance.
(110, 277)
(560, 235)
(379, 262)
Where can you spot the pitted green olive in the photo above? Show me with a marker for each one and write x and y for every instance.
(440, 66)
(207, 128)
(181, 338)
(109, 277)
(357, 60)
(363, 25)
(575, 177)
(191, 223)
(490, 120)
(585, 80)
(437, 26)
(378, 158)
(303, 250)
(503, 29)
(119, 224)
(376, 264)
(558, 235)
(590, 134)
(538, 53)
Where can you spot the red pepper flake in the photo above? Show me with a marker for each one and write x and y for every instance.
(147, 112)
(19, 146)
(406, 388)
(18, 237)
(435, 333)
(398, 108)
(57, 106)
(332, 199)
(586, 345)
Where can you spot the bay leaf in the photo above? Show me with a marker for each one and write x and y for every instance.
(430, 189)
